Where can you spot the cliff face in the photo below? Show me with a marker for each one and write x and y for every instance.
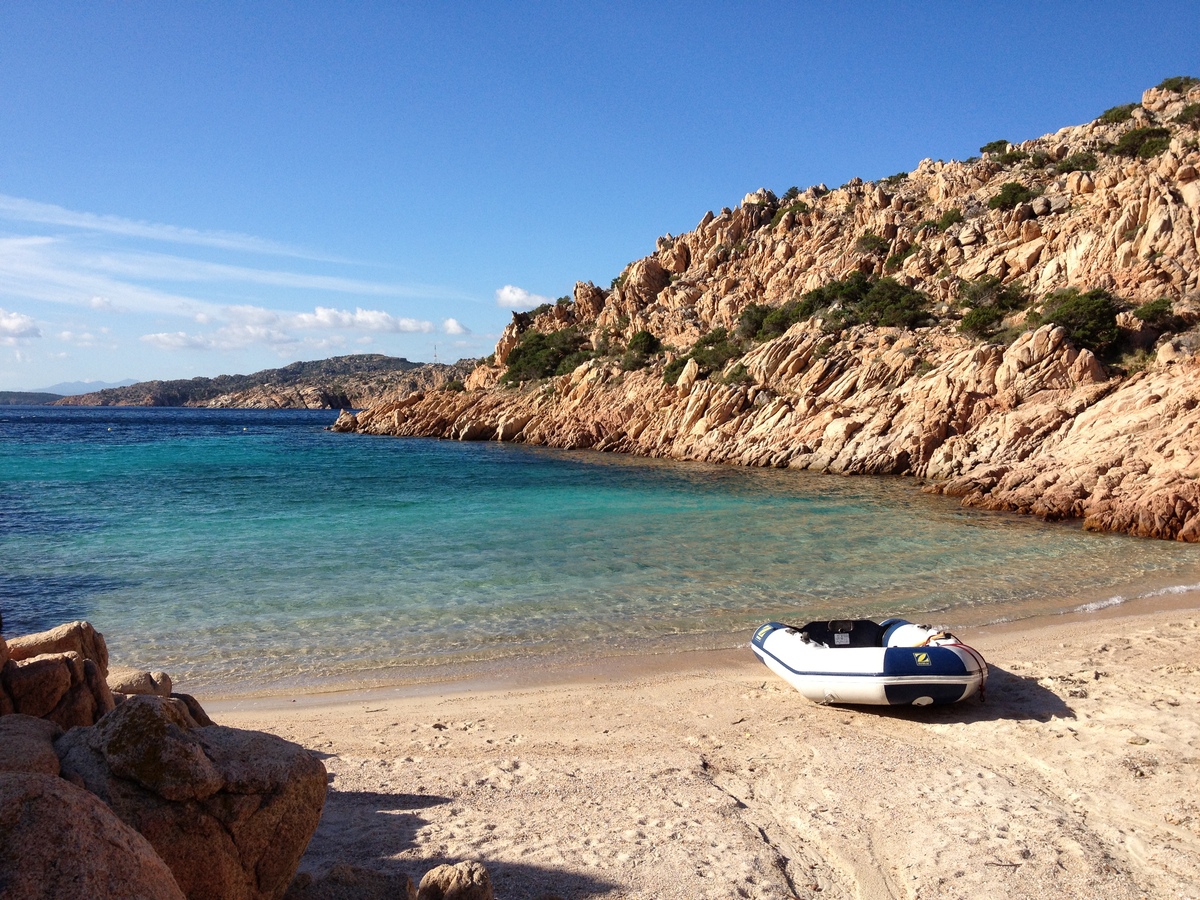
(1036, 424)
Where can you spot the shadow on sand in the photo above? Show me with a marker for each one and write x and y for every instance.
(1008, 696)
(366, 843)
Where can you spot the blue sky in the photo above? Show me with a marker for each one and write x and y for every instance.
(205, 188)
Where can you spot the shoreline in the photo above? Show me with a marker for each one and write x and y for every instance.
(703, 775)
(552, 670)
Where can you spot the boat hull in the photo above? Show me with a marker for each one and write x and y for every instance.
(940, 672)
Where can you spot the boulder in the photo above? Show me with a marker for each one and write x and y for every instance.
(77, 637)
(125, 680)
(62, 687)
(463, 881)
(346, 422)
(61, 842)
(27, 745)
(230, 811)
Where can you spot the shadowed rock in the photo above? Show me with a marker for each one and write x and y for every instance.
(229, 811)
(463, 881)
(72, 846)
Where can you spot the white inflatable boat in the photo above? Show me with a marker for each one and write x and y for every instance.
(890, 663)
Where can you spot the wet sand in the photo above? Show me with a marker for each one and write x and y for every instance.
(703, 775)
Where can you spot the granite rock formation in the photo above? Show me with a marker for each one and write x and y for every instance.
(229, 811)
(1024, 418)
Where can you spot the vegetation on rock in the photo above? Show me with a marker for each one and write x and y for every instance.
(1143, 143)
(1012, 193)
(1089, 318)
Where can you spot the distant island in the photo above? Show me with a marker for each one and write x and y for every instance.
(342, 382)
(27, 398)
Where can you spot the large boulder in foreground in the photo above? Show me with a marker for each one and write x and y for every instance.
(58, 842)
(27, 745)
(230, 811)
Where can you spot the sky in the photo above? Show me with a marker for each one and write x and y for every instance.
(196, 189)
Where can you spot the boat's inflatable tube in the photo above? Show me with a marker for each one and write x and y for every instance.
(893, 663)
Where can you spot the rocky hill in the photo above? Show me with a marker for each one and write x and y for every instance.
(341, 382)
(1015, 329)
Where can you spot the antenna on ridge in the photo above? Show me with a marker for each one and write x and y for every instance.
(435, 354)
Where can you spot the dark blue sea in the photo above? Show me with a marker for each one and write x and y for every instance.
(254, 550)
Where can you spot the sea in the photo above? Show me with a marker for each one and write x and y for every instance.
(257, 552)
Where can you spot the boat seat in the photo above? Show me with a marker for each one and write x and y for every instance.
(845, 633)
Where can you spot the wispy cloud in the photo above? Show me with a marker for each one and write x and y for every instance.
(453, 326)
(18, 209)
(512, 297)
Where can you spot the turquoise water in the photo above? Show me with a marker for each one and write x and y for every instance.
(251, 550)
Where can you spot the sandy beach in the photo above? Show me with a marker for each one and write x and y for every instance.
(704, 775)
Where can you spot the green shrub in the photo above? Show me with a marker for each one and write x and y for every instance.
(994, 147)
(988, 290)
(791, 194)
(673, 369)
(1189, 115)
(848, 292)
(714, 350)
(644, 342)
(1179, 83)
(981, 321)
(632, 360)
(1012, 158)
(893, 180)
(538, 310)
(455, 386)
(739, 374)
(1143, 143)
(950, 217)
(540, 355)
(564, 301)
(1115, 115)
(572, 361)
(896, 260)
(872, 243)
(990, 301)
(1090, 318)
(1159, 314)
(1077, 162)
(891, 303)
(711, 353)
(1011, 194)
(750, 322)
(619, 280)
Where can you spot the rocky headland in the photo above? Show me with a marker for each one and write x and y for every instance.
(341, 382)
(1017, 329)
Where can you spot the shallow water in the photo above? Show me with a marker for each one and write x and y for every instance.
(242, 550)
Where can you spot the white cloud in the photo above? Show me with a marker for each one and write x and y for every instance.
(512, 297)
(362, 319)
(453, 326)
(177, 340)
(15, 326)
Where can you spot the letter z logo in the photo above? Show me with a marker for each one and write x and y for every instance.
(922, 659)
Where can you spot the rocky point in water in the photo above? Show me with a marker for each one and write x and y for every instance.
(1018, 330)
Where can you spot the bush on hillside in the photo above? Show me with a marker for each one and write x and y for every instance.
(1090, 318)
(1143, 143)
(871, 243)
(539, 355)
(712, 353)
(1077, 162)
(1115, 115)
(1160, 314)
(1012, 193)
(1012, 157)
(994, 147)
(989, 301)
(1189, 115)
(1178, 83)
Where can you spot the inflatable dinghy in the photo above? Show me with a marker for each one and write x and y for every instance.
(890, 663)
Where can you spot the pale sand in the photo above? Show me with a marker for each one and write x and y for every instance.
(710, 777)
